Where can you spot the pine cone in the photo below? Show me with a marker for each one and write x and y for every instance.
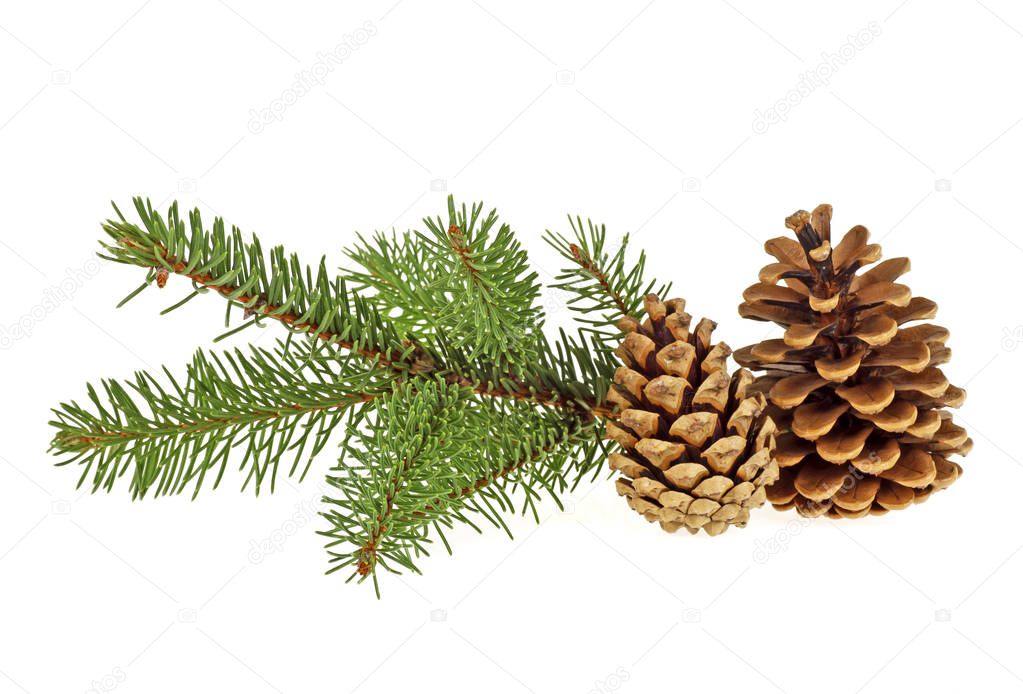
(858, 400)
(696, 447)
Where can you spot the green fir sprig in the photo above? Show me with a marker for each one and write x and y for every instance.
(170, 434)
(605, 286)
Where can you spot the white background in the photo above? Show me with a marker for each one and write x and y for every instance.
(649, 129)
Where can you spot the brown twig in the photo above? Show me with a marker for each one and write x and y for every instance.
(462, 251)
(368, 551)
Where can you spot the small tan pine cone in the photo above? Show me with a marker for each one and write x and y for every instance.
(696, 446)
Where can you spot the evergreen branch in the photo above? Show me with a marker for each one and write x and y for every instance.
(493, 293)
(606, 288)
(405, 280)
(190, 431)
(277, 287)
(590, 266)
(468, 280)
(171, 436)
(458, 407)
(437, 454)
(350, 320)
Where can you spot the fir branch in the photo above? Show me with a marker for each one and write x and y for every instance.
(494, 292)
(277, 287)
(404, 278)
(328, 309)
(188, 432)
(605, 286)
(467, 279)
(459, 408)
(437, 454)
(267, 403)
(173, 435)
(586, 262)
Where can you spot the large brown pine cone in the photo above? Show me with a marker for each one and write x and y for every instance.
(696, 447)
(858, 399)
